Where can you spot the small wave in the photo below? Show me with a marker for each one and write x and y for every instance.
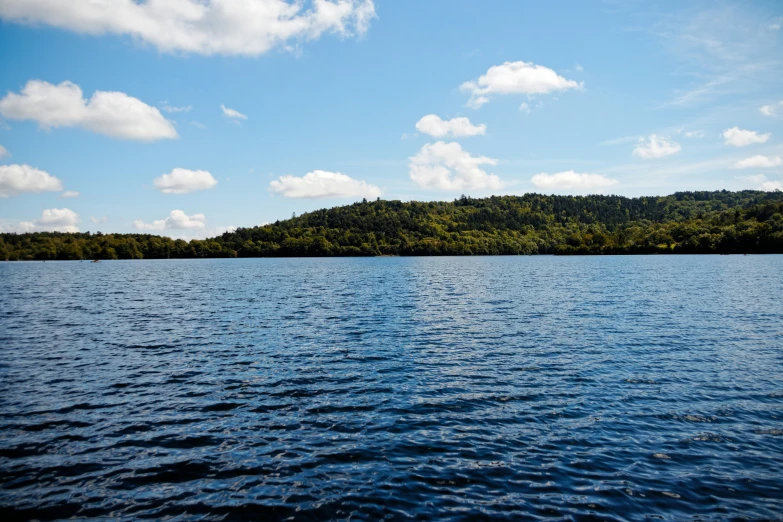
(222, 406)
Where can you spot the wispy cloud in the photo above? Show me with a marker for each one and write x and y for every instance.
(773, 109)
(165, 107)
(233, 114)
(722, 50)
(621, 141)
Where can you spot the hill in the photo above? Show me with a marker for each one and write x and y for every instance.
(684, 222)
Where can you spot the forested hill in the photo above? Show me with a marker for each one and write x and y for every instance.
(685, 222)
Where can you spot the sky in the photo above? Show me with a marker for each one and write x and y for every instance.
(188, 118)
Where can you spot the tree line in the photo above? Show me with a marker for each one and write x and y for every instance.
(685, 222)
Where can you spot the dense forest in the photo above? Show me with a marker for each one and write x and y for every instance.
(683, 223)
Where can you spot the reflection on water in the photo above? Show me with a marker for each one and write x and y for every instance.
(431, 388)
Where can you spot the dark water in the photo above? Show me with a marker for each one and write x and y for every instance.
(422, 388)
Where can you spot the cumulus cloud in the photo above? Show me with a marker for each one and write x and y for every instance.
(201, 233)
(4, 152)
(772, 109)
(759, 161)
(515, 78)
(17, 179)
(655, 147)
(741, 137)
(570, 180)
(434, 126)
(183, 181)
(208, 27)
(177, 220)
(445, 166)
(231, 113)
(761, 182)
(219, 231)
(16, 227)
(58, 219)
(323, 184)
(114, 114)
(159, 224)
(70, 194)
(51, 220)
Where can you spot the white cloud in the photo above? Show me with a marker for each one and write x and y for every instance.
(70, 194)
(434, 126)
(16, 227)
(219, 231)
(51, 220)
(177, 220)
(524, 107)
(98, 220)
(183, 181)
(773, 27)
(58, 220)
(621, 141)
(4, 152)
(694, 134)
(741, 137)
(111, 113)
(323, 184)
(570, 180)
(249, 27)
(759, 161)
(656, 147)
(515, 78)
(168, 108)
(445, 166)
(201, 233)
(17, 179)
(761, 182)
(758, 178)
(772, 109)
(159, 224)
(231, 113)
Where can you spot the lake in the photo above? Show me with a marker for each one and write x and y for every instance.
(425, 388)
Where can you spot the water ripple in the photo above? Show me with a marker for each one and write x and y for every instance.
(617, 388)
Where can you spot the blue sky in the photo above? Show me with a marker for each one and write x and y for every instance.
(195, 117)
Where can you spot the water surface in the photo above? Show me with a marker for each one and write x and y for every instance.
(408, 388)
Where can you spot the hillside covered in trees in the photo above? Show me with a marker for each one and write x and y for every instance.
(685, 222)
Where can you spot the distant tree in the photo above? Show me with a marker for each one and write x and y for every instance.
(685, 222)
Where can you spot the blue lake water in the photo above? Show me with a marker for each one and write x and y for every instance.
(424, 388)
